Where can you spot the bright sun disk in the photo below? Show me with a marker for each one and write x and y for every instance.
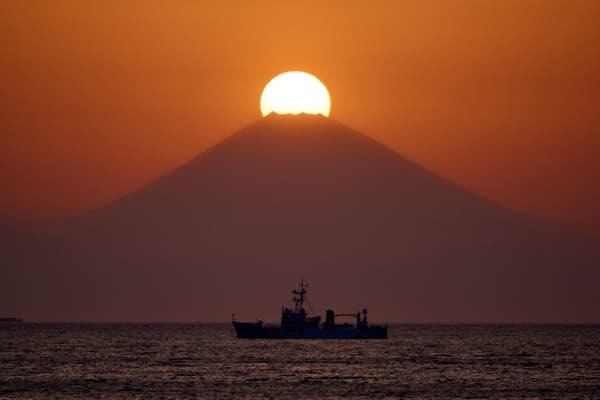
(295, 92)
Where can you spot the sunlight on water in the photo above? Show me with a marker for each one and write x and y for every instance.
(206, 361)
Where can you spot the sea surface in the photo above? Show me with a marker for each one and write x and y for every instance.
(198, 361)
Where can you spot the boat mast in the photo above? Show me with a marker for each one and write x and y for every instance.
(299, 297)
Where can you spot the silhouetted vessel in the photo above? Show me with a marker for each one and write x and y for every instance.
(296, 324)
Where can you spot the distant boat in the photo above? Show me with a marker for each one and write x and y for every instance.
(6, 320)
(296, 324)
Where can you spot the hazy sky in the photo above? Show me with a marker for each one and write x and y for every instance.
(502, 97)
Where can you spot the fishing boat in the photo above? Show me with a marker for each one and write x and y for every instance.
(297, 324)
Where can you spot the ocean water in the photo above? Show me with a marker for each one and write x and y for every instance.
(161, 361)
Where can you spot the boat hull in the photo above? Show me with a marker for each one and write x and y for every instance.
(256, 330)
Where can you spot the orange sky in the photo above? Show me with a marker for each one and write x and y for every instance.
(502, 97)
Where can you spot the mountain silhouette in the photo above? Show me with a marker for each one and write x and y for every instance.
(232, 230)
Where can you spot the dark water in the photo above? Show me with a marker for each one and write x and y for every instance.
(206, 361)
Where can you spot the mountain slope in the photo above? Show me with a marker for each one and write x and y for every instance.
(290, 196)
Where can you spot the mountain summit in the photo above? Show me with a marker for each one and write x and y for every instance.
(292, 196)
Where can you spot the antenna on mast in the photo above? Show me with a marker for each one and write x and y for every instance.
(299, 296)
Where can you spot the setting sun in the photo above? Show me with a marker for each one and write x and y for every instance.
(295, 92)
